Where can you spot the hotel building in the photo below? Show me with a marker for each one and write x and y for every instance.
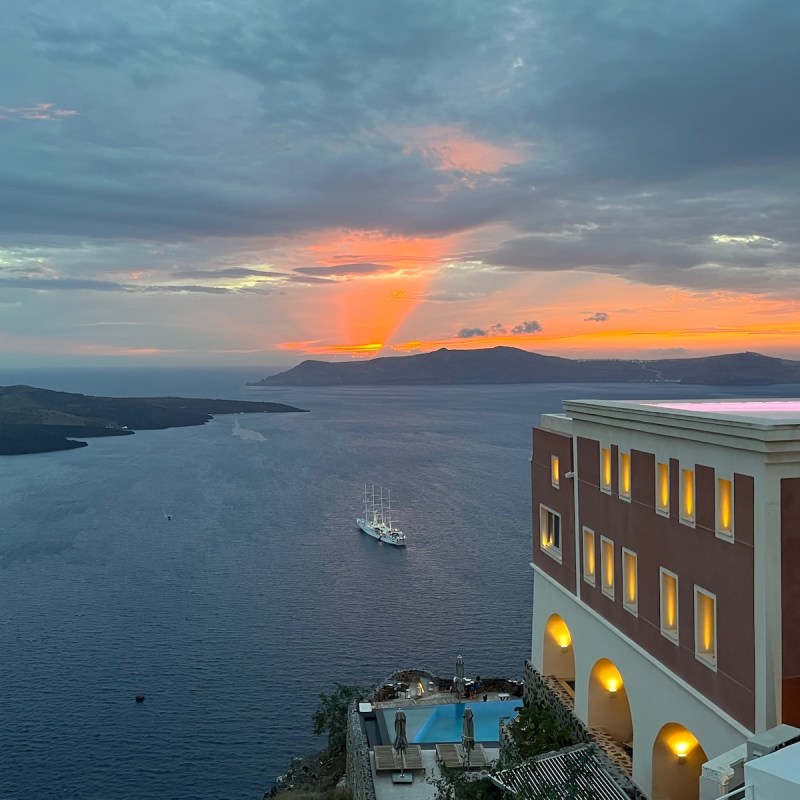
(666, 596)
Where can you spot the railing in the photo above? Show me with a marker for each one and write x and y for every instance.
(742, 793)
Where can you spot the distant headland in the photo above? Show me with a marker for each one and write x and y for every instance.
(512, 365)
(40, 420)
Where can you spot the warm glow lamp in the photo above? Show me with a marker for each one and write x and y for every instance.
(681, 749)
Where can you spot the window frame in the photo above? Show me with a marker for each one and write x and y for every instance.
(606, 469)
(687, 519)
(707, 658)
(590, 578)
(608, 590)
(630, 607)
(728, 534)
(624, 470)
(673, 634)
(555, 471)
(663, 510)
(552, 550)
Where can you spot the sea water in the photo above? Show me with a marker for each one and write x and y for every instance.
(259, 592)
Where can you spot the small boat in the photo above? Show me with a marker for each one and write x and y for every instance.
(377, 519)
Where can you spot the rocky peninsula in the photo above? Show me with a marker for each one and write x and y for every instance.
(41, 420)
(506, 365)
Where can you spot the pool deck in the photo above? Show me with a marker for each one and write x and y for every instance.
(420, 788)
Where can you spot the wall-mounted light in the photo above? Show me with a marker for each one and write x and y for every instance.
(612, 687)
(681, 749)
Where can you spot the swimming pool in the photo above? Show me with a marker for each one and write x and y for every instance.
(432, 724)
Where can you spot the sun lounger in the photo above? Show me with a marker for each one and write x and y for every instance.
(384, 758)
(477, 757)
(414, 757)
(449, 756)
(387, 759)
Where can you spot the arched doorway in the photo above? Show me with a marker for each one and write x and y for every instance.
(677, 762)
(608, 702)
(558, 658)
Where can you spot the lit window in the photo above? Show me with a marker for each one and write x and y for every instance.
(555, 474)
(588, 556)
(550, 532)
(625, 475)
(630, 582)
(605, 469)
(705, 626)
(607, 566)
(724, 507)
(687, 495)
(669, 604)
(662, 488)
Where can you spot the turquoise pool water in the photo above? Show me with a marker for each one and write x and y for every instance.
(432, 724)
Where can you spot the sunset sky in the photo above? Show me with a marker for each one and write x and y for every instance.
(264, 181)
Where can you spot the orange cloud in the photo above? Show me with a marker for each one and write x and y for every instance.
(317, 348)
(454, 150)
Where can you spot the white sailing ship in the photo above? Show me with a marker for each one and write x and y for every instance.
(377, 519)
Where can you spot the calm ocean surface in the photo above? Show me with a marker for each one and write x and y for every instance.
(260, 592)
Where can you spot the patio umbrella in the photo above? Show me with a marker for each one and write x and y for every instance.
(400, 739)
(458, 681)
(468, 732)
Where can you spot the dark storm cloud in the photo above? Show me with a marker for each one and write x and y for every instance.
(498, 329)
(469, 333)
(652, 129)
(527, 327)
(655, 94)
(343, 270)
(228, 272)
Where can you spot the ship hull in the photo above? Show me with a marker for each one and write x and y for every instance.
(381, 537)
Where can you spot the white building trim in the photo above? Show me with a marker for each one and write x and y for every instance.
(657, 696)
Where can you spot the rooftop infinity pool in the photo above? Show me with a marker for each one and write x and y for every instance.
(439, 724)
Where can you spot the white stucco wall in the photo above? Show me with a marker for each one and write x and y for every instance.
(656, 696)
(775, 776)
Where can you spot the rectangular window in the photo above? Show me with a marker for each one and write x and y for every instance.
(555, 473)
(662, 488)
(589, 567)
(687, 496)
(725, 508)
(625, 475)
(605, 469)
(550, 532)
(705, 626)
(669, 604)
(630, 581)
(607, 566)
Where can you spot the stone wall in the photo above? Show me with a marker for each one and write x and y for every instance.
(546, 690)
(359, 770)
